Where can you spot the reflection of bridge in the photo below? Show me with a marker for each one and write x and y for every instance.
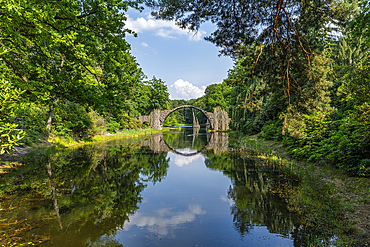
(216, 141)
(218, 120)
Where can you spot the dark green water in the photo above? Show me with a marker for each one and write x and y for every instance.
(180, 189)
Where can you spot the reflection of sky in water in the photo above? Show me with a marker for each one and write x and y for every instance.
(229, 201)
(186, 150)
(164, 219)
(186, 160)
(191, 207)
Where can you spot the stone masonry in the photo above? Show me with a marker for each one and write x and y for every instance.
(218, 120)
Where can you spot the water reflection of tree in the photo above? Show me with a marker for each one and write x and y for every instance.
(98, 188)
(255, 202)
(187, 138)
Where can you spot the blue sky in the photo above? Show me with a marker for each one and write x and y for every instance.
(186, 62)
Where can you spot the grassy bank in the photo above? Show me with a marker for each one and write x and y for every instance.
(13, 160)
(126, 133)
(331, 201)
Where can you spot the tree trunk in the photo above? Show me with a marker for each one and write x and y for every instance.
(48, 124)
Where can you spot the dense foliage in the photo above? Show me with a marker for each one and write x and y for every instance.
(10, 134)
(73, 66)
(301, 72)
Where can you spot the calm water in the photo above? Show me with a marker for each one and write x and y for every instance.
(181, 188)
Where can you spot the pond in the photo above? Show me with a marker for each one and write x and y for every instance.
(179, 188)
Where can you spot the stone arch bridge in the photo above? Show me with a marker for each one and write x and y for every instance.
(218, 120)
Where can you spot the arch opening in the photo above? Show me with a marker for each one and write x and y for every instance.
(169, 112)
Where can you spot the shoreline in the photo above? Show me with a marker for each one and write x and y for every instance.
(14, 159)
(351, 194)
(326, 195)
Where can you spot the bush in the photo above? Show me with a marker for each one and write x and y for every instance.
(166, 122)
(339, 138)
(99, 123)
(174, 122)
(272, 130)
(71, 119)
(340, 141)
(34, 122)
(113, 126)
(126, 122)
(145, 125)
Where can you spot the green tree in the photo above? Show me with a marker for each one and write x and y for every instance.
(9, 97)
(287, 39)
(158, 98)
(217, 95)
(150, 95)
(179, 114)
(9, 134)
(346, 53)
(68, 49)
(360, 25)
(240, 22)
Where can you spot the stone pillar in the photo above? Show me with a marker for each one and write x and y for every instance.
(154, 120)
(210, 120)
(221, 119)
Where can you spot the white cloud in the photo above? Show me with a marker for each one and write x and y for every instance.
(162, 28)
(186, 160)
(144, 44)
(164, 219)
(186, 90)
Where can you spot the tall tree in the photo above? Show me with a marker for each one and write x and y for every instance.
(150, 95)
(360, 25)
(72, 49)
(158, 94)
(290, 36)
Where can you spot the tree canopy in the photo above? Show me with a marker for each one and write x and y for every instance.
(287, 38)
(72, 54)
(67, 48)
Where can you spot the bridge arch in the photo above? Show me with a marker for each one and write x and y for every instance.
(216, 141)
(218, 119)
(182, 154)
(168, 112)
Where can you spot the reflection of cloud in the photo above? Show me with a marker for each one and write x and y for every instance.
(186, 150)
(230, 201)
(186, 90)
(186, 160)
(162, 28)
(164, 219)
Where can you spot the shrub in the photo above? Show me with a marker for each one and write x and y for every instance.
(272, 130)
(113, 126)
(126, 122)
(34, 122)
(71, 119)
(99, 123)
(166, 122)
(174, 122)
